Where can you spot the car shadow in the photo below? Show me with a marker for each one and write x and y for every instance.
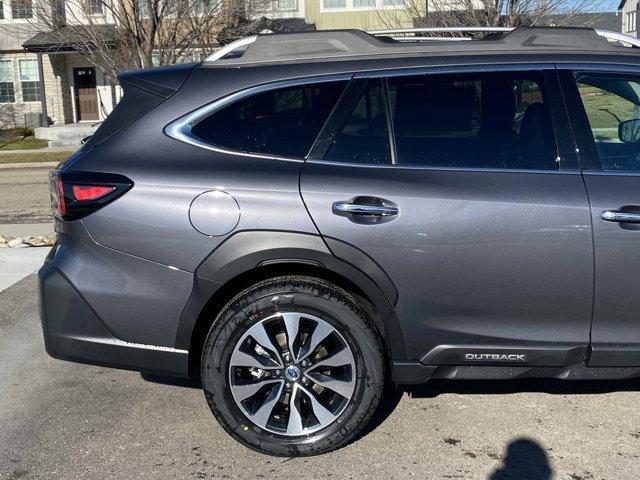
(433, 388)
(524, 458)
(172, 381)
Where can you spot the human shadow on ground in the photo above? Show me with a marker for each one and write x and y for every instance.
(524, 459)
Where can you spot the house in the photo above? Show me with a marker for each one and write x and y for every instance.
(43, 82)
(629, 16)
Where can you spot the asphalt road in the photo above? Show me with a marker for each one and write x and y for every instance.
(24, 195)
(60, 420)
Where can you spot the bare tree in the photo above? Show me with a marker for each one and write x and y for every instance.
(484, 13)
(115, 35)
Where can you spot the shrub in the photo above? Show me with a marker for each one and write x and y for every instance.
(24, 131)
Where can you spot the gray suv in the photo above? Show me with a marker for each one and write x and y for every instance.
(303, 218)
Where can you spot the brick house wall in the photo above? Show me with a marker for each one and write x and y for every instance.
(57, 89)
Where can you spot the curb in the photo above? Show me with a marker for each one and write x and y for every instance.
(7, 166)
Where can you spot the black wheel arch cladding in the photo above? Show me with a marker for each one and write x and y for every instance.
(250, 256)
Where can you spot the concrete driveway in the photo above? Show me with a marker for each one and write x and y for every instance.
(65, 421)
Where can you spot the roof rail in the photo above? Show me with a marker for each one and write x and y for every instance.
(609, 35)
(334, 45)
(230, 48)
(619, 37)
(396, 31)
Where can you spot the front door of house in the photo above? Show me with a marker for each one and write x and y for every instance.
(84, 80)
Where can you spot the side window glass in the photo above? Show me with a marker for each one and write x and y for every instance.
(283, 122)
(612, 104)
(365, 136)
(493, 120)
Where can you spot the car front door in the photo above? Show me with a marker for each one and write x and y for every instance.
(601, 100)
(457, 186)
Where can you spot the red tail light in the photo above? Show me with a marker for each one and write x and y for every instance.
(84, 193)
(75, 195)
(59, 203)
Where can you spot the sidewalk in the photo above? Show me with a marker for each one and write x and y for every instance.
(25, 229)
(7, 166)
(15, 264)
(37, 150)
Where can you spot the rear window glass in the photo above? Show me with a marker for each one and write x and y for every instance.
(283, 122)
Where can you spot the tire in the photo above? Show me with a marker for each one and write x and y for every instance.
(318, 306)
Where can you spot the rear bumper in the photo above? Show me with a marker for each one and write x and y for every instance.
(73, 332)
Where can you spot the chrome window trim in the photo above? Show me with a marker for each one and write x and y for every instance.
(180, 129)
(467, 68)
(615, 68)
(452, 169)
(611, 173)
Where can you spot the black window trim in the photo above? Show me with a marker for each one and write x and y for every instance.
(566, 158)
(337, 118)
(584, 142)
(180, 129)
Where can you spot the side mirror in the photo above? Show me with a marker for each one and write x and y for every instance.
(629, 131)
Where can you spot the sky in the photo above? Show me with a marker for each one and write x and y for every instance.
(608, 5)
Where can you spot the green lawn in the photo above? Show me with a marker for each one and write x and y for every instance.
(606, 110)
(33, 157)
(29, 143)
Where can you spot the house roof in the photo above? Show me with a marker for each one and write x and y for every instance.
(600, 20)
(66, 38)
(280, 25)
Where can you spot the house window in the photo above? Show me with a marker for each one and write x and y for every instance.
(1, 10)
(30, 81)
(631, 21)
(21, 9)
(275, 5)
(334, 4)
(7, 93)
(287, 4)
(94, 7)
(360, 4)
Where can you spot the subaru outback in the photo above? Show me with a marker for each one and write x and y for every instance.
(301, 219)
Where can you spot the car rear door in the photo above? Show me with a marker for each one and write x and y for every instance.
(599, 99)
(455, 184)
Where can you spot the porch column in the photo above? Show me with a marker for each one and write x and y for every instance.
(44, 120)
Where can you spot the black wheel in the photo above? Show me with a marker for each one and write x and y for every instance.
(293, 366)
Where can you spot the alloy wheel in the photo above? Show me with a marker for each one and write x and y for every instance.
(292, 373)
